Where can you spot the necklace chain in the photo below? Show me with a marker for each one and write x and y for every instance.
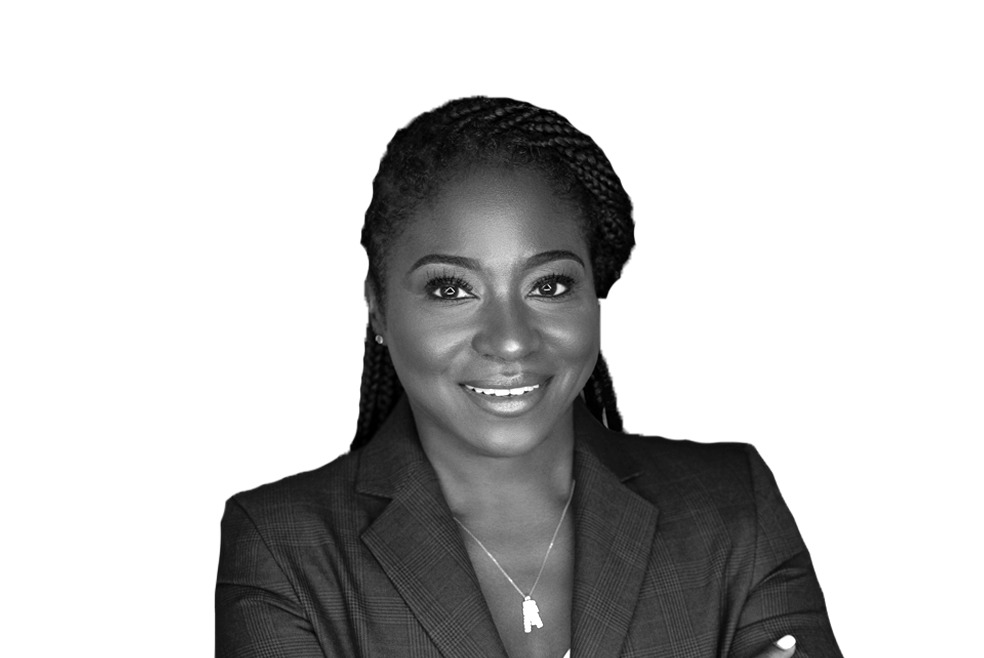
(553, 539)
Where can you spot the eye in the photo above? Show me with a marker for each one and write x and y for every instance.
(449, 289)
(551, 286)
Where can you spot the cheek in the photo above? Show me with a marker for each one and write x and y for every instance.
(422, 344)
(576, 338)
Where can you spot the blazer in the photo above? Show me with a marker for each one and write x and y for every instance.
(681, 550)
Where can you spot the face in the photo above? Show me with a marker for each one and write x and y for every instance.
(490, 314)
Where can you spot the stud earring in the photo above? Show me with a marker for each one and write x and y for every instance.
(379, 339)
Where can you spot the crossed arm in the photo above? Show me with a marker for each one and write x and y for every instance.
(784, 598)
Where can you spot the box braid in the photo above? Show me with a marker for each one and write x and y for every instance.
(479, 130)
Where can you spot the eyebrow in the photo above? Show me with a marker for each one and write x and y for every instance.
(472, 264)
(556, 254)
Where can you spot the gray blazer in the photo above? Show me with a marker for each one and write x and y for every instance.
(681, 550)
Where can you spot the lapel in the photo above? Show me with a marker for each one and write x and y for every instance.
(419, 546)
(614, 533)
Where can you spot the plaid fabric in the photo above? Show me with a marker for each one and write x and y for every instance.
(681, 550)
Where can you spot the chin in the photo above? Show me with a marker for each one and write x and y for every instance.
(508, 439)
(499, 435)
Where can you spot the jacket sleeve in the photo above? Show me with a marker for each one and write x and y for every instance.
(784, 595)
(257, 613)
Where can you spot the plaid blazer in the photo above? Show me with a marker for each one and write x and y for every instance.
(681, 550)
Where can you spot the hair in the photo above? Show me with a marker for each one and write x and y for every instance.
(441, 143)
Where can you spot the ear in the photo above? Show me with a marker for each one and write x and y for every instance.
(375, 311)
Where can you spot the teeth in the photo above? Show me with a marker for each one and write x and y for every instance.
(503, 392)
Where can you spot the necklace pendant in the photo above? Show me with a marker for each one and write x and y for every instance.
(531, 615)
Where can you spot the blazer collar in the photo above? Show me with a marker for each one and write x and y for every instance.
(613, 539)
(420, 548)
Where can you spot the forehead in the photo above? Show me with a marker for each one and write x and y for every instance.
(495, 215)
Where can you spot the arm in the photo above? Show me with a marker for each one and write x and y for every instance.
(784, 596)
(257, 613)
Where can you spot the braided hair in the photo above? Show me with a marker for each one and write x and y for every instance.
(498, 131)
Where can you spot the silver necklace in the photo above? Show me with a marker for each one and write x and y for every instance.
(531, 613)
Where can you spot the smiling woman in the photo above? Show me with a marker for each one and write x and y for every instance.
(491, 504)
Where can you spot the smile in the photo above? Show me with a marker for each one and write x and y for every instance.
(507, 401)
(503, 392)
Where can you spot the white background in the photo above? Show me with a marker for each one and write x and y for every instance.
(181, 191)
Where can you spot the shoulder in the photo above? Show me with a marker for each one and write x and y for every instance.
(709, 495)
(656, 463)
(657, 459)
(680, 456)
(307, 488)
(687, 478)
(301, 507)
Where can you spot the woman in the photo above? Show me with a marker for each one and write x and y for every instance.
(491, 505)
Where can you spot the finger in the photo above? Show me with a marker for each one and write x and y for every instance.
(784, 647)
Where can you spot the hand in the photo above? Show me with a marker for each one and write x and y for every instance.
(784, 647)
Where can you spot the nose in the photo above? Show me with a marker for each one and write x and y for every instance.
(506, 331)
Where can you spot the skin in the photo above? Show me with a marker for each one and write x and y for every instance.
(490, 284)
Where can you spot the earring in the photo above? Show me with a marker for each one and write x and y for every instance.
(379, 339)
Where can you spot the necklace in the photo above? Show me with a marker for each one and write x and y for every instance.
(531, 613)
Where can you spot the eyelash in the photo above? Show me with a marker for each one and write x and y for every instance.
(438, 283)
(564, 280)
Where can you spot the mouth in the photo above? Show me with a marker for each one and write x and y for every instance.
(500, 399)
(503, 392)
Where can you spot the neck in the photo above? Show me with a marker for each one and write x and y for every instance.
(475, 483)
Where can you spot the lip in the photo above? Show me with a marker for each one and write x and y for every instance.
(515, 381)
(507, 405)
